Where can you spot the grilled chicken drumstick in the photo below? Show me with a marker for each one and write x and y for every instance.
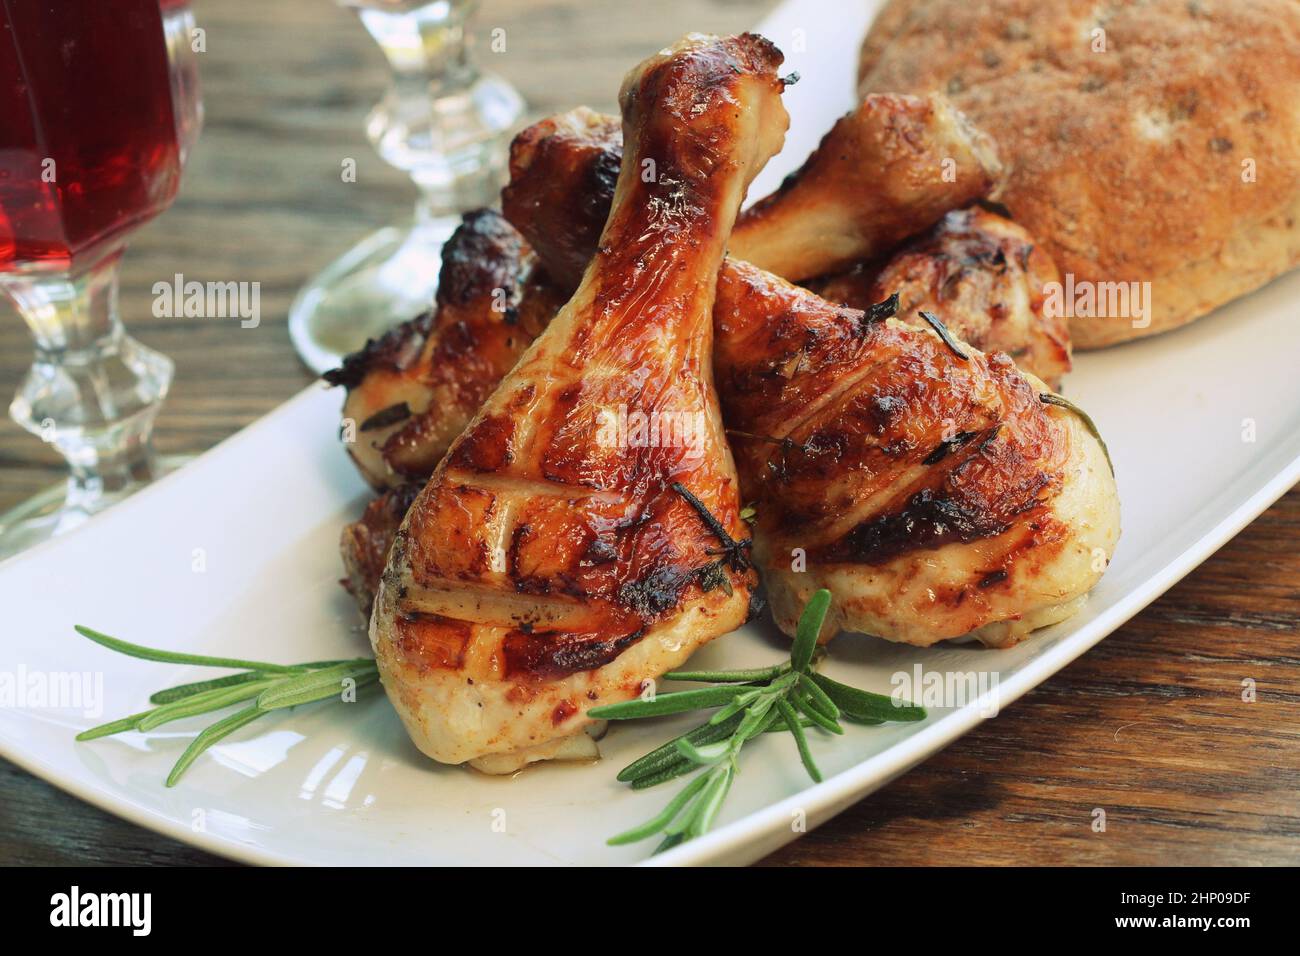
(926, 484)
(553, 562)
(885, 171)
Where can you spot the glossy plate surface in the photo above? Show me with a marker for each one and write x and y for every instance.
(235, 555)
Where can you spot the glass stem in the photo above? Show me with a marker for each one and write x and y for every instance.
(92, 391)
(443, 120)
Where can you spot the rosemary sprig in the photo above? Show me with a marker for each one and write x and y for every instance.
(787, 697)
(270, 687)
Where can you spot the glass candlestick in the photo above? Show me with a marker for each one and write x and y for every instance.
(447, 124)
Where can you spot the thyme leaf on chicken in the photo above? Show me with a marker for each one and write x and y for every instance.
(734, 553)
(788, 696)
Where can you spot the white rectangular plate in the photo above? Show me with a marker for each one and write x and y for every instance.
(235, 555)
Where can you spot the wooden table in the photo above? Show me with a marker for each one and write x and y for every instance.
(1150, 726)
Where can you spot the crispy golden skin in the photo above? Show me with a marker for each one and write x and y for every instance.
(548, 565)
(983, 276)
(425, 379)
(885, 171)
(1154, 141)
(926, 484)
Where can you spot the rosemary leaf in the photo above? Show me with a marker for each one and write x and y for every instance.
(703, 756)
(799, 697)
(657, 824)
(210, 736)
(864, 705)
(752, 676)
(1060, 401)
(800, 739)
(203, 703)
(180, 692)
(819, 697)
(318, 685)
(686, 819)
(675, 703)
(669, 842)
(861, 721)
(669, 771)
(735, 706)
(174, 657)
(810, 625)
(751, 725)
(113, 727)
(942, 331)
(706, 733)
(674, 765)
(710, 800)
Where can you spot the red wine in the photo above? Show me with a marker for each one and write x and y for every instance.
(88, 140)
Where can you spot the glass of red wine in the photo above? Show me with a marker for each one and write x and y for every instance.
(100, 106)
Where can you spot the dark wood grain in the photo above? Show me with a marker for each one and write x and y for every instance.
(1149, 726)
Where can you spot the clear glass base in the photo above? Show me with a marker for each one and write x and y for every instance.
(387, 278)
(60, 508)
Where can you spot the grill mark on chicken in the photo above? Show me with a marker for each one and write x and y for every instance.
(482, 603)
(927, 522)
(946, 446)
(547, 655)
(431, 642)
(523, 486)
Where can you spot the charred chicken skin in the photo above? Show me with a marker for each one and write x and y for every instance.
(551, 564)
(983, 276)
(426, 378)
